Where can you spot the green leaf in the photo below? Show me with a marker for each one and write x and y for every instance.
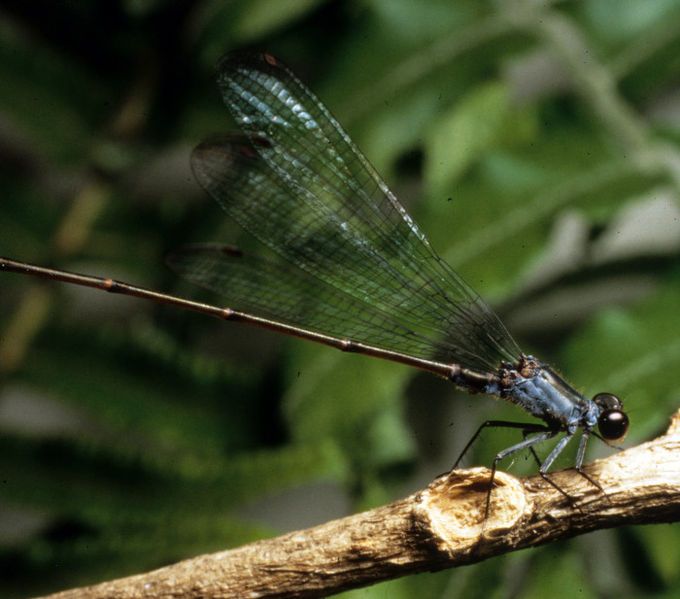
(617, 21)
(662, 544)
(352, 399)
(490, 230)
(245, 21)
(423, 21)
(43, 95)
(128, 406)
(558, 573)
(419, 585)
(260, 17)
(483, 120)
(62, 477)
(384, 138)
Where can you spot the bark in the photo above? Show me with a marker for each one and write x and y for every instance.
(442, 526)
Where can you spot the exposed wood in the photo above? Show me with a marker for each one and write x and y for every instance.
(439, 527)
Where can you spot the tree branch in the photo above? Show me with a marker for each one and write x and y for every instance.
(439, 527)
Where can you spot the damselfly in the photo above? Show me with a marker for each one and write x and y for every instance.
(352, 268)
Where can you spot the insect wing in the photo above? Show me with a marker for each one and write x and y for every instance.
(303, 189)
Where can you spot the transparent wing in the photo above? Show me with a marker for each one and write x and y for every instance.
(303, 188)
(285, 293)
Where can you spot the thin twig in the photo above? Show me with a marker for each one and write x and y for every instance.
(439, 527)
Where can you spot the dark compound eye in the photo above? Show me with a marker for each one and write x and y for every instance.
(613, 421)
(608, 401)
(613, 424)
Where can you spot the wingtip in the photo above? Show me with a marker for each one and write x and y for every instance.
(244, 57)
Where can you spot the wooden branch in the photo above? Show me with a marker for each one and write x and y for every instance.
(439, 527)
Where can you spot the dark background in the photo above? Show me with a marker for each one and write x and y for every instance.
(534, 142)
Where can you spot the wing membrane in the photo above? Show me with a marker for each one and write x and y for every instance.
(302, 188)
(282, 292)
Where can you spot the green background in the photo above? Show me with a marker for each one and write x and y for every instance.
(534, 142)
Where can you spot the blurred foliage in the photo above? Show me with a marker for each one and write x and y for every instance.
(535, 143)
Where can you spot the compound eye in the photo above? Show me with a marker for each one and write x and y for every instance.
(608, 401)
(613, 424)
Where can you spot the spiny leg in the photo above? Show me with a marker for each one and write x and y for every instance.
(545, 476)
(543, 435)
(531, 449)
(526, 427)
(556, 451)
(580, 456)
